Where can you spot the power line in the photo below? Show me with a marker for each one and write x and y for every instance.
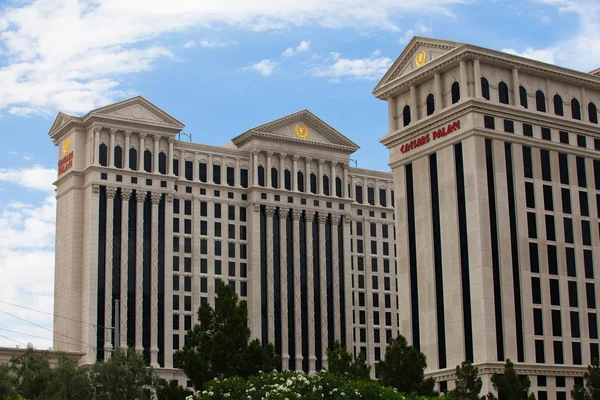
(34, 336)
(6, 337)
(54, 315)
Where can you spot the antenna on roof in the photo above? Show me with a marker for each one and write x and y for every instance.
(189, 135)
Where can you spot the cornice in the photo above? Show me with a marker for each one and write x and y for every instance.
(522, 368)
(369, 173)
(197, 147)
(139, 101)
(411, 53)
(271, 136)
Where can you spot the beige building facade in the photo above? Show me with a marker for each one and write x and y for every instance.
(496, 164)
(147, 226)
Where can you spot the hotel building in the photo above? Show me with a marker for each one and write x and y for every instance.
(496, 165)
(147, 226)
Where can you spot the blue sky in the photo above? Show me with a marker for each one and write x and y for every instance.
(221, 67)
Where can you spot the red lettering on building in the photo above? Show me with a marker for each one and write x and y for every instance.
(440, 133)
(65, 163)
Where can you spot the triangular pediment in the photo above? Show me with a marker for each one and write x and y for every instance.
(137, 109)
(61, 119)
(302, 126)
(418, 52)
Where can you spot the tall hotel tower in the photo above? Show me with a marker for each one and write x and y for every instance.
(148, 225)
(496, 165)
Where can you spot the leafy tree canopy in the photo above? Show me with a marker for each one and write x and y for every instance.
(468, 383)
(509, 385)
(341, 362)
(591, 391)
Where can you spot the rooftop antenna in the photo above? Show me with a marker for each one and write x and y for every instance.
(188, 135)
(355, 162)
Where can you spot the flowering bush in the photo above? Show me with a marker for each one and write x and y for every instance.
(292, 385)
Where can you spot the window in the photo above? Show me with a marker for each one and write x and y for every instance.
(558, 353)
(563, 165)
(527, 162)
(586, 236)
(593, 113)
(371, 196)
(556, 323)
(103, 156)
(558, 105)
(590, 294)
(571, 265)
(593, 325)
(509, 126)
(523, 96)
(546, 171)
(534, 262)
(217, 174)
(573, 301)
(546, 134)
(338, 186)
(566, 200)
(539, 351)
(550, 230)
(527, 130)
(406, 115)
(189, 170)
(536, 290)
(540, 101)
(313, 183)
(455, 92)
(325, 185)
(548, 203)
(588, 264)
(575, 109)
(552, 260)
(202, 170)
(538, 323)
(133, 159)
(359, 194)
(485, 88)
(300, 181)
(574, 317)
(554, 293)
(274, 178)
(162, 163)
(568, 229)
(576, 347)
(148, 161)
(503, 93)
(583, 204)
(564, 137)
(231, 176)
(287, 177)
(488, 122)
(430, 104)
(581, 177)
(118, 156)
(531, 225)
(261, 176)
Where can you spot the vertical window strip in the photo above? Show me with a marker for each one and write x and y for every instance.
(101, 272)
(464, 251)
(495, 250)
(514, 244)
(412, 254)
(437, 254)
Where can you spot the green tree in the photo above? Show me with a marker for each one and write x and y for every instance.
(170, 391)
(217, 347)
(31, 373)
(341, 362)
(124, 376)
(591, 391)
(404, 368)
(69, 381)
(7, 388)
(468, 383)
(509, 385)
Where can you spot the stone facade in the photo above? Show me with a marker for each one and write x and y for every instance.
(147, 226)
(496, 164)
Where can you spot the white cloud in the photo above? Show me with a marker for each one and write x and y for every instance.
(36, 177)
(408, 34)
(263, 67)
(71, 54)
(303, 46)
(581, 48)
(189, 44)
(370, 68)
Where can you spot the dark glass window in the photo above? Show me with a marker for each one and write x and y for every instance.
(548, 202)
(552, 260)
(534, 262)
(539, 351)
(313, 183)
(581, 141)
(593, 113)
(488, 122)
(231, 176)
(586, 235)
(359, 194)
(244, 177)
(287, 179)
(527, 130)
(573, 294)
(588, 264)
(574, 317)
(540, 101)
(383, 197)
(133, 159)
(568, 228)
(509, 126)
(103, 156)
(583, 204)
(593, 325)
(502, 93)
(558, 354)
(581, 178)
(523, 96)
(538, 323)
(564, 168)
(571, 265)
(554, 293)
(529, 195)
(546, 170)
(261, 176)
(406, 115)
(118, 156)
(597, 174)
(556, 323)
(371, 195)
(430, 104)
(576, 347)
(564, 137)
(590, 294)
(485, 88)
(189, 170)
(300, 178)
(531, 225)
(558, 105)
(148, 161)
(202, 172)
(274, 178)
(575, 109)
(217, 174)
(455, 92)
(546, 133)
(536, 290)
(550, 230)
(527, 162)
(566, 200)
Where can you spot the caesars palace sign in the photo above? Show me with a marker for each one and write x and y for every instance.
(423, 140)
(66, 162)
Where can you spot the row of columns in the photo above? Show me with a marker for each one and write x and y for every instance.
(108, 304)
(282, 213)
(209, 169)
(140, 153)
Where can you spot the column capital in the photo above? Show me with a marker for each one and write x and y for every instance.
(157, 138)
(321, 162)
(127, 133)
(270, 210)
(309, 216)
(126, 194)
(283, 212)
(170, 198)
(98, 129)
(335, 219)
(255, 152)
(269, 154)
(295, 157)
(323, 217)
(256, 207)
(296, 214)
(142, 135)
(95, 188)
(334, 163)
(113, 131)
(155, 197)
(308, 159)
(171, 140)
(111, 192)
(140, 196)
(282, 156)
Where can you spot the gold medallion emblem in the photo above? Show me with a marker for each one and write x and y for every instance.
(301, 131)
(421, 58)
(66, 146)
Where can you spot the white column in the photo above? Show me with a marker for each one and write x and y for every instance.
(295, 175)
(515, 87)
(464, 89)
(414, 104)
(111, 148)
(282, 170)
(97, 131)
(209, 169)
(583, 104)
(285, 353)
(345, 193)
(156, 150)
(155, 199)
(352, 189)
(309, 216)
(477, 78)
(141, 152)
(332, 185)
(108, 272)
(125, 196)
(323, 285)
(126, 150)
(236, 174)
(307, 171)
(337, 323)
(376, 193)
(391, 101)
(296, 215)
(170, 160)
(320, 177)
(195, 168)
(437, 90)
(348, 285)
(255, 167)
(268, 180)
(140, 197)
(270, 211)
